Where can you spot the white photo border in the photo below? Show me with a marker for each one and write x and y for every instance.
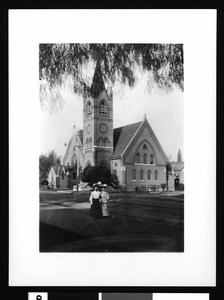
(196, 29)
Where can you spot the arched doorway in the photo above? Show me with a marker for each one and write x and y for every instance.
(176, 183)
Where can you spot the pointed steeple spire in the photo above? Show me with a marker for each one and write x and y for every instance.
(98, 82)
(179, 156)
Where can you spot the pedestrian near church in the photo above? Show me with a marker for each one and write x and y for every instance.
(104, 200)
(95, 197)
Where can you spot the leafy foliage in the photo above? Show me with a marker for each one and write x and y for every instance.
(94, 174)
(168, 167)
(168, 170)
(181, 187)
(45, 161)
(116, 62)
(163, 186)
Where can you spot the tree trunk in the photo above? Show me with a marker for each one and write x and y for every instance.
(167, 181)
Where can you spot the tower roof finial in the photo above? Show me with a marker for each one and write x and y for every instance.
(144, 117)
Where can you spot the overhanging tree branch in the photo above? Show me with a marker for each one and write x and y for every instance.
(117, 63)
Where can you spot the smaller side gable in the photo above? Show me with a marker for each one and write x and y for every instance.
(49, 170)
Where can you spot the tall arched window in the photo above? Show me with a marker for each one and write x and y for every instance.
(151, 159)
(145, 158)
(156, 175)
(90, 141)
(103, 107)
(87, 142)
(133, 175)
(100, 141)
(141, 174)
(148, 175)
(88, 108)
(137, 158)
(106, 141)
(74, 175)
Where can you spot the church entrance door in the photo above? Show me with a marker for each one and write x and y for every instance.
(176, 184)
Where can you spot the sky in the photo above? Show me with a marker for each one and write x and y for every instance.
(164, 111)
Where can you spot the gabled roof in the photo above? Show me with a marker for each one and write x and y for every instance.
(122, 136)
(48, 171)
(177, 166)
(70, 147)
(55, 168)
(156, 141)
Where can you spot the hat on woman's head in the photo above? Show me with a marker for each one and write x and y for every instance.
(104, 185)
(97, 184)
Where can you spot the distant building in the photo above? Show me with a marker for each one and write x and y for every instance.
(56, 177)
(178, 173)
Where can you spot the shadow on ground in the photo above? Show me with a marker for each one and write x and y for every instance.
(139, 224)
(51, 236)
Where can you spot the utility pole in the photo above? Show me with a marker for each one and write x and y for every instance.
(167, 181)
(77, 175)
(168, 169)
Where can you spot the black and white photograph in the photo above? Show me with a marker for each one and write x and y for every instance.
(112, 162)
(112, 148)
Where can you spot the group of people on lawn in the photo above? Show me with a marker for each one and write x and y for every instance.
(99, 201)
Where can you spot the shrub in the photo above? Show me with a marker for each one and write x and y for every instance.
(181, 187)
(163, 186)
(94, 174)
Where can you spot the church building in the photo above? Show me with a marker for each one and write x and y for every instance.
(132, 152)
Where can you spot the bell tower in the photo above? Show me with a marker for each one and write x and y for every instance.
(98, 124)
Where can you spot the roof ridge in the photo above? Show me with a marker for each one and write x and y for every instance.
(128, 125)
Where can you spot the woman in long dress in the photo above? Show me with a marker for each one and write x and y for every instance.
(104, 201)
(94, 199)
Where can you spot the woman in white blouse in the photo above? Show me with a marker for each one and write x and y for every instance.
(94, 199)
(104, 201)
